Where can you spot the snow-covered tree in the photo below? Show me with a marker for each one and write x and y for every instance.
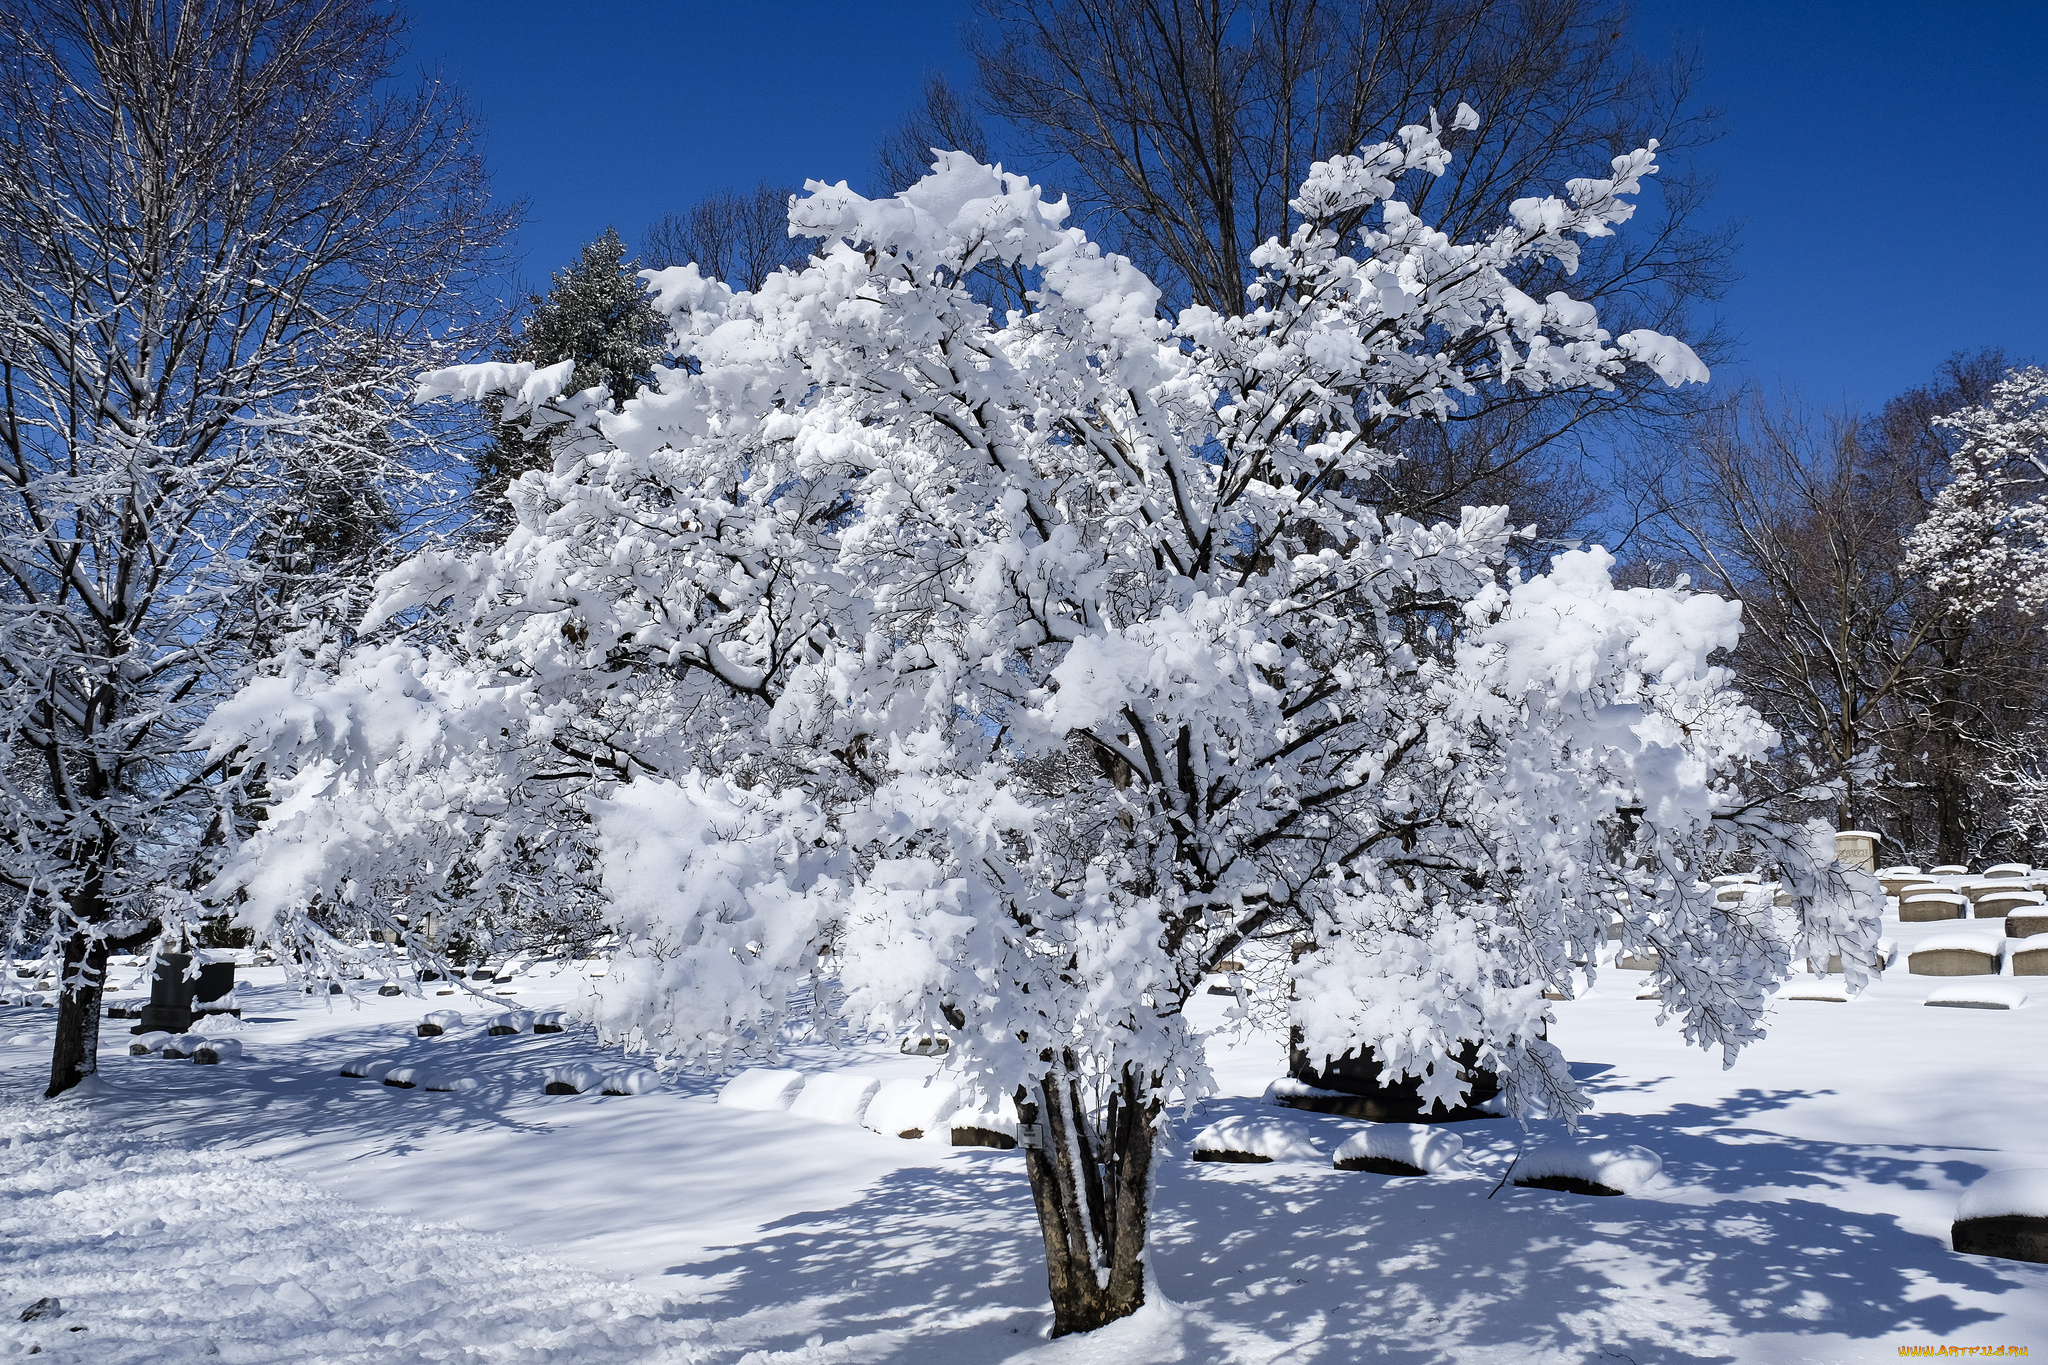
(1982, 550)
(223, 245)
(999, 677)
(1985, 540)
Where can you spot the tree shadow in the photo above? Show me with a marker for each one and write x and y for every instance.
(1297, 1262)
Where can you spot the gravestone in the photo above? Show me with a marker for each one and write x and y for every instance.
(1857, 848)
(2012, 1237)
(1363, 1094)
(1929, 906)
(213, 992)
(170, 997)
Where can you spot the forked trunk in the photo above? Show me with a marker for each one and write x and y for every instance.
(1091, 1178)
(76, 1054)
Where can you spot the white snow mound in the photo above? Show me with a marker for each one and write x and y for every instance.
(1274, 1139)
(1983, 995)
(1419, 1144)
(1287, 1088)
(759, 1087)
(835, 1097)
(1627, 1169)
(1001, 1119)
(632, 1080)
(582, 1076)
(909, 1105)
(2022, 1193)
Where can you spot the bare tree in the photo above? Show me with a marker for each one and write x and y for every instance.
(943, 121)
(225, 245)
(1893, 706)
(739, 238)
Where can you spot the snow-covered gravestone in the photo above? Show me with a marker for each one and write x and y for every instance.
(1398, 1149)
(2005, 1214)
(1588, 1169)
(994, 679)
(835, 1097)
(909, 1107)
(1254, 1141)
(1857, 848)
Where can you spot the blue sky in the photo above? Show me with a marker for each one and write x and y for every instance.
(1888, 162)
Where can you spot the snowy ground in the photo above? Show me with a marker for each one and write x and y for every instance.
(270, 1210)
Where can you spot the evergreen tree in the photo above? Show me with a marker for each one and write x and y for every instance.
(597, 315)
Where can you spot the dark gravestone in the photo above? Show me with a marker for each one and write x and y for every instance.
(212, 993)
(388, 989)
(983, 1137)
(1378, 1165)
(2015, 1237)
(1363, 1095)
(1243, 1158)
(170, 997)
(1567, 1184)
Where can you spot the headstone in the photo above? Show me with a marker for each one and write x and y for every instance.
(2030, 956)
(983, 1137)
(1857, 848)
(1999, 904)
(2013, 1237)
(1927, 906)
(1941, 957)
(390, 988)
(170, 997)
(1362, 1094)
(214, 991)
(2026, 923)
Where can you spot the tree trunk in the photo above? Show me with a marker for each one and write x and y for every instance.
(77, 1051)
(1091, 1178)
(1951, 798)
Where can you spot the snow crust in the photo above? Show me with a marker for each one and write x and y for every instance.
(176, 1255)
(835, 1097)
(1274, 1139)
(761, 1088)
(1428, 1146)
(2022, 1192)
(1624, 1168)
